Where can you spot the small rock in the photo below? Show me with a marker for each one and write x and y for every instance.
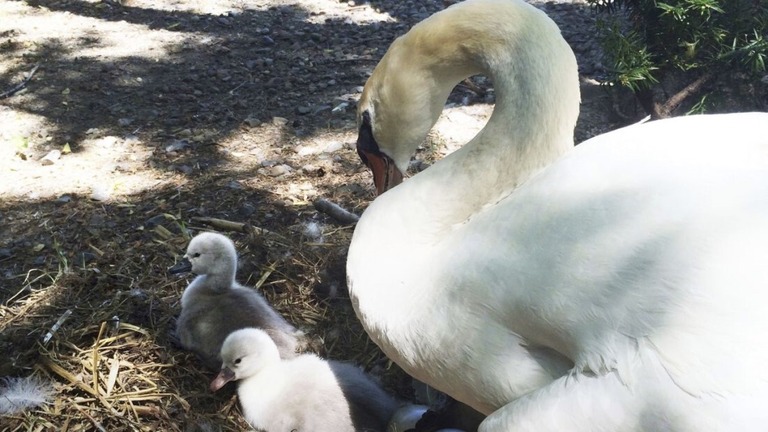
(154, 221)
(278, 170)
(304, 110)
(63, 199)
(306, 150)
(100, 193)
(234, 184)
(332, 147)
(176, 145)
(5, 253)
(340, 108)
(279, 121)
(184, 169)
(247, 209)
(321, 108)
(252, 121)
(124, 121)
(51, 157)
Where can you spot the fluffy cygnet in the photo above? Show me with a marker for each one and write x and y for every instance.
(214, 304)
(305, 393)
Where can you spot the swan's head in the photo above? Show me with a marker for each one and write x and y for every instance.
(211, 254)
(517, 46)
(407, 90)
(245, 353)
(403, 99)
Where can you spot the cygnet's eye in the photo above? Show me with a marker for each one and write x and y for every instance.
(196, 255)
(237, 361)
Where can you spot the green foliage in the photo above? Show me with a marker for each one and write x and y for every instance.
(700, 107)
(633, 65)
(691, 36)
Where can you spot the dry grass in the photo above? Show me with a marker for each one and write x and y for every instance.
(112, 359)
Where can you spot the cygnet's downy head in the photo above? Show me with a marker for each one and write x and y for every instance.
(245, 353)
(208, 254)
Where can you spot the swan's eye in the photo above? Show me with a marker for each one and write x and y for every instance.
(196, 255)
(237, 361)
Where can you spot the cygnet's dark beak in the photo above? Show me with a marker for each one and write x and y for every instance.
(183, 266)
(226, 375)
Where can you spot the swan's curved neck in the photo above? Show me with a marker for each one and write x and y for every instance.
(537, 101)
(536, 83)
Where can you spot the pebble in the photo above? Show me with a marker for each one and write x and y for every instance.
(275, 171)
(252, 121)
(333, 147)
(100, 193)
(247, 209)
(63, 199)
(51, 157)
(176, 145)
(234, 184)
(154, 221)
(279, 121)
(184, 169)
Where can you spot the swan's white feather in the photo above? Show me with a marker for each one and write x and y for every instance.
(616, 286)
(20, 394)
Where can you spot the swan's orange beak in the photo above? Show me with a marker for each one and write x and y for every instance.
(385, 172)
(226, 375)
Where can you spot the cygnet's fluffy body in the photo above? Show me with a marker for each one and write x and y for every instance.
(214, 304)
(304, 393)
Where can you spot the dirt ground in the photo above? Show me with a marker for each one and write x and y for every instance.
(166, 115)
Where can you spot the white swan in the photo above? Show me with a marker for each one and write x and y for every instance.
(304, 393)
(214, 304)
(621, 285)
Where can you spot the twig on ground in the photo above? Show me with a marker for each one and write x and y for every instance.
(335, 211)
(15, 89)
(223, 224)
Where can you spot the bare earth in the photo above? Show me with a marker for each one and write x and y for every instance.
(166, 113)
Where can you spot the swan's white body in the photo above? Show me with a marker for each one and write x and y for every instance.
(621, 285)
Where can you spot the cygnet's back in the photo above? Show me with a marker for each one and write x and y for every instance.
(305, 393)
(214, 304)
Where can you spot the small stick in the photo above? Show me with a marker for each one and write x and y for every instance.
(473, 87)
(19, 86)
(335, 211)
(56, 326)
(223, 224)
